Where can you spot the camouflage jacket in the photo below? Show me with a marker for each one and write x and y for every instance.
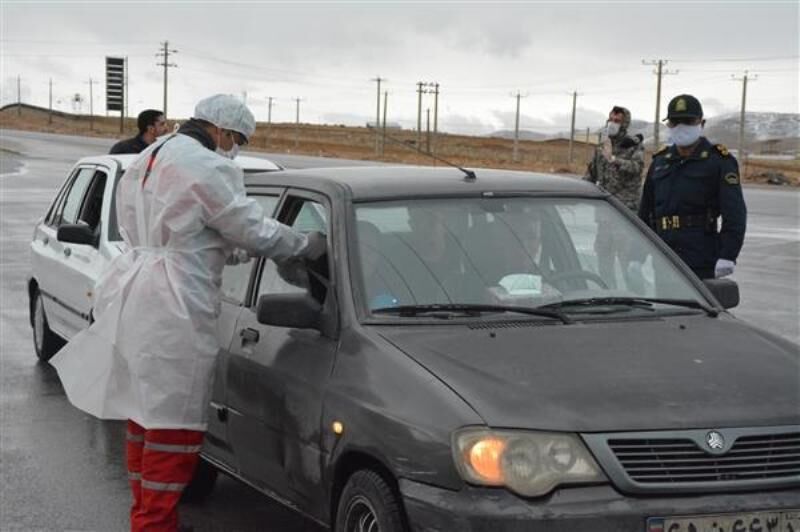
(621, 176)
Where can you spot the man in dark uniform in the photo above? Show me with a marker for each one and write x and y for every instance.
(152, 124)
(689, 185)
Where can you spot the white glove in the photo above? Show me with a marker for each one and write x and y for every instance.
(316, 247)
(238, 256)
(724, 267)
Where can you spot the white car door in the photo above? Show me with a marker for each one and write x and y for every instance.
(49, 256)
(83, 263)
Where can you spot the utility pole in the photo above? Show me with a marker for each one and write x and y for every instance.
(50, 104)
(19, 96)
(164, 55)
(297, 123)
(435, 116)
(91, 103)
(744, 79)
(572, 126)
(515, 156)
(428, 129)
(419, 113)
(385, 104)
(378, 115)
(269, 118)
(659, 72)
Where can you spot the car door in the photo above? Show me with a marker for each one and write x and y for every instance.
(50, 257)
(84, 263)
(236, 281)
(277, 377)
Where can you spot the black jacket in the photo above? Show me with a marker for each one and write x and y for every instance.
(132, 145)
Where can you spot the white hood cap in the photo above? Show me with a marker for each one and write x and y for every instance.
(226, 112)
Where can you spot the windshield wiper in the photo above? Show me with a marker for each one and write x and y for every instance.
(470, 309)
(632, 301)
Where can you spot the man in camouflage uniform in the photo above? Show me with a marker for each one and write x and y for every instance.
(616, 167)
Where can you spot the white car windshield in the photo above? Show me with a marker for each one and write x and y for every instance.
(521, 251)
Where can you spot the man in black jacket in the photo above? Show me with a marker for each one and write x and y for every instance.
(152, 124)
(689, 186)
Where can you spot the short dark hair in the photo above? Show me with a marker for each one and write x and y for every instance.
(148, 117)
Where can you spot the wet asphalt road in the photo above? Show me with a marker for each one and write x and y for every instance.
(61, 470)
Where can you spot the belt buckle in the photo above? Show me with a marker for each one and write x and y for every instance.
(676, 222)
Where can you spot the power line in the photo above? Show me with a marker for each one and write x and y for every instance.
(737, 60)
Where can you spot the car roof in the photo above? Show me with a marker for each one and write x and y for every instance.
(388, 182)
(248, 164)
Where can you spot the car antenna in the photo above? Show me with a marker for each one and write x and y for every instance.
(469, 175)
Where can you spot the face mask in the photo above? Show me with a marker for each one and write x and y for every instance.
(684, 134)
(612, 128)
(230, 154)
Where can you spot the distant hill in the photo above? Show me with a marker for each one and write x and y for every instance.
(776, 132)
(524, 134)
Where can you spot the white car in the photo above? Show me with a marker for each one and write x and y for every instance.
(63, 275)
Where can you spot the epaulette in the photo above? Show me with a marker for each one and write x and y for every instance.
(722, 149)
(662, 150)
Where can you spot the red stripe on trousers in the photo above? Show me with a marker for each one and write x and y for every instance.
(157, 510)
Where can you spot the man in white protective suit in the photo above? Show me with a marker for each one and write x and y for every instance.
(149, 356)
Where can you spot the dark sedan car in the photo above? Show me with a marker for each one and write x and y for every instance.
(459, 362)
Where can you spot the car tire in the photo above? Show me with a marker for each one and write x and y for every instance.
(202, 483)
(369, 504)
(45, 341)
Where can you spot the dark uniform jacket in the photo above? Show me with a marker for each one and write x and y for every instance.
(683, 197)
(132, 145)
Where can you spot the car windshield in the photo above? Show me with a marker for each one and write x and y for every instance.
(512, 251)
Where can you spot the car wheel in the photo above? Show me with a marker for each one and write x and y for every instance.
(46, 342)
(202, 483)
(368, 504)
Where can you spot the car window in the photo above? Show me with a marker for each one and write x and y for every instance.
(312, 216)
(93, 202)
(74, 198)
(236, 277)
(516, 251)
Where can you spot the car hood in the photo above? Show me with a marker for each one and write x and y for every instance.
(672, 373)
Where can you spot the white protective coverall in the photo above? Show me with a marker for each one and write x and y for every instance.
(149, 356)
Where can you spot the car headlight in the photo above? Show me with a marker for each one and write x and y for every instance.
(528, 463)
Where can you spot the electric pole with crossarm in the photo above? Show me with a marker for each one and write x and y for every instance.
(164, 55)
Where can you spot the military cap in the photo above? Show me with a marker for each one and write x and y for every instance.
(684, 106)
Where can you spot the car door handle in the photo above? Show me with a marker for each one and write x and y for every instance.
(67, 252)
(249, 336)
(222, 412)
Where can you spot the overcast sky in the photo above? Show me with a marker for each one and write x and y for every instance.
(479, 52)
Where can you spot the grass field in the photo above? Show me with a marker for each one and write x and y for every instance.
(360, 143)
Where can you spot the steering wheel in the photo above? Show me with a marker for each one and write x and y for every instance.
(557, 278)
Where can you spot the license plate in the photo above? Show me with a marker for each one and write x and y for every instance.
(781, 521)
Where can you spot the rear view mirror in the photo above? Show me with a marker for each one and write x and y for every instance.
(77, 234)
(298, 311)
(726, 291)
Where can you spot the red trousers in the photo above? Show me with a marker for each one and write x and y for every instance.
(160, 465)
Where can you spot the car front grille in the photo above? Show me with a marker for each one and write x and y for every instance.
(681, 460)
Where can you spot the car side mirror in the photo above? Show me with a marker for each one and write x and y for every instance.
(726, 291)
(77, 234)
(298, 311)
